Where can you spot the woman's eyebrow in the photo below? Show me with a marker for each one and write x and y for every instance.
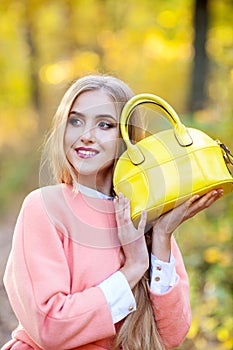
(78, 114)
(98, 116)
(105, 115)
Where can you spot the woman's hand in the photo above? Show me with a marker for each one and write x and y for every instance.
(165, 225)
(132, 241)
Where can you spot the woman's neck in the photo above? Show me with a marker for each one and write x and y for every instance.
(101, 184)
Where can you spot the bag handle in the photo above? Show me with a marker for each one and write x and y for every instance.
(180, 131)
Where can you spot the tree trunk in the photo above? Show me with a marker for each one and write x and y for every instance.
(200, 65)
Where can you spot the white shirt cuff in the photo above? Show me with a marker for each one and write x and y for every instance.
(119, 296)
(162, 275)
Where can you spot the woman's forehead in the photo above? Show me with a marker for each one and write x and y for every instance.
(94, 100)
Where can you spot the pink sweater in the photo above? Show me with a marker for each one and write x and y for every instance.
(64, 245)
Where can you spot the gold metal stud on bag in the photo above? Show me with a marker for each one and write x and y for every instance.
(164, 169)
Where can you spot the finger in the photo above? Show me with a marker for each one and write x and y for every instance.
(123, 214)
(127, 213)
(118, 209)
(142, 222)
(194, 198)
(116, 204)
(121, 199)
(190, 207)
(204, 201)
(212, 197)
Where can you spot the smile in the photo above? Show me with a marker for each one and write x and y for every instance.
(86, 153)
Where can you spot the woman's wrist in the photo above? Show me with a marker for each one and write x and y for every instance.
(133, 273)
(161, 246)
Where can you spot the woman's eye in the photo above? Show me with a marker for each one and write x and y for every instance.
(74, 121)
(106, 125)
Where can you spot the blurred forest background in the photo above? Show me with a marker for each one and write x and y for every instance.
(181, 50)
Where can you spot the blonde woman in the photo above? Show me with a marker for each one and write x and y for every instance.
(80, 275)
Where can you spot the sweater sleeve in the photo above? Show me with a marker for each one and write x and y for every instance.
(172, 309)
(38, 280)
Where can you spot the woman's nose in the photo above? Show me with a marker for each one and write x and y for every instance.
(88, 135)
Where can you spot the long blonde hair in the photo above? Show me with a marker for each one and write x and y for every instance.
(138, 330)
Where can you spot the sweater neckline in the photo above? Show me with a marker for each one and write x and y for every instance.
(90, 192)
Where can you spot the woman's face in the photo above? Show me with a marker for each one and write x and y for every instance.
(91, 135)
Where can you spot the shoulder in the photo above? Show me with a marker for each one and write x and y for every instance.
(40, 196)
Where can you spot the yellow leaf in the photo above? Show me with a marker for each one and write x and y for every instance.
(193, 329)
(212, 255)
(222, 334)
(167, 19)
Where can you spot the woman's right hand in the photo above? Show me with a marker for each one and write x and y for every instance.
(132, 241)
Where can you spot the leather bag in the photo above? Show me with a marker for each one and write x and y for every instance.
(165, 169)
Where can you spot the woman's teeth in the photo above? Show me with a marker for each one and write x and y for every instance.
(87, 153)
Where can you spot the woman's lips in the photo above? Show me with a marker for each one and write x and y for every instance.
(85, 153)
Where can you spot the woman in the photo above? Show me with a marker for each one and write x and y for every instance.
(77, 276)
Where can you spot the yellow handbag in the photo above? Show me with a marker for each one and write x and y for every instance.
(165, 169)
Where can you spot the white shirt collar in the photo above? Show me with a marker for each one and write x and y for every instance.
(90, 192)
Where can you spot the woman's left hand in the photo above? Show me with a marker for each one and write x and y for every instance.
(166, 224)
